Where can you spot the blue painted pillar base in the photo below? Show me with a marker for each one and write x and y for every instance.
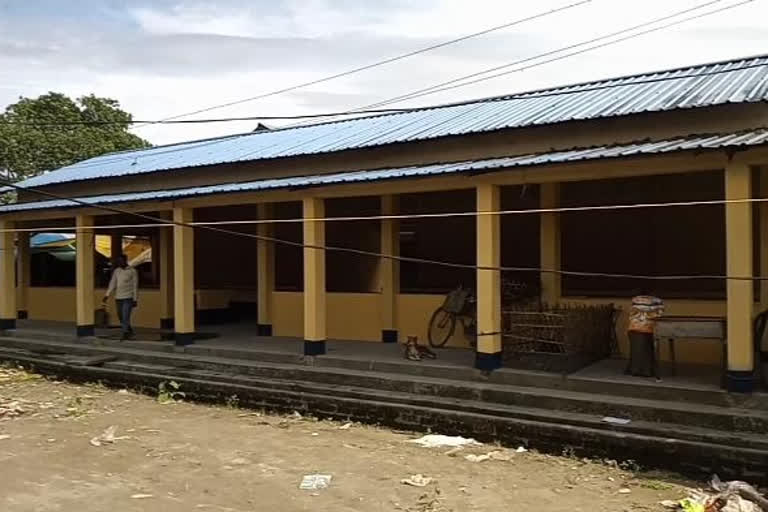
(182, 339)
(84, 331)
(740, 381)
(7, 323)
(487, 362)
(314, 348)
(389, 335)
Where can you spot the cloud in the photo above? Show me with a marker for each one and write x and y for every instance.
(164, 57)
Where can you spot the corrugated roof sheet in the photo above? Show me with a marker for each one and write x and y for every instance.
(736, 81)
(701, 142)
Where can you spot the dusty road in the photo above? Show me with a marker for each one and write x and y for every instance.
(57, 453)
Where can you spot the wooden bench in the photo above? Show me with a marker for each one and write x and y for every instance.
(671, 328)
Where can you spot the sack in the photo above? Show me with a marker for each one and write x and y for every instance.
(101, 318)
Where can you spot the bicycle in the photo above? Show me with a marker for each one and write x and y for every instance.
(459, 305)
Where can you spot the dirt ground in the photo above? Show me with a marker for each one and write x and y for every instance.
(66, 447)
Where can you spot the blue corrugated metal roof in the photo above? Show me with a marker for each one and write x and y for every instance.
(741, 139)
(736, 81)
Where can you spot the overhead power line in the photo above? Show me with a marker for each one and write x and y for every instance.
(523, 95)
(119, 157)
(381, 62)
(462, 80)
(447, 85)
(409, 216)
(373, 254)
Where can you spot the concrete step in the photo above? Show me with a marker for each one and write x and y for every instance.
(439, 369)
(681, 413)
(544, 430)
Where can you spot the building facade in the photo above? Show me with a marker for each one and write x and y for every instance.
(356, 229)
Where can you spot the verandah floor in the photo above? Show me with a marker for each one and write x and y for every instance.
(238, 340)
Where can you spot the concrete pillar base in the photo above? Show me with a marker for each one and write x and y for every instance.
(85, 331)
(22, 314)
(389, 335)
(182, 339)
(487, 362)
(739, 381)
(314, 348)
(166, 323)
(264, 330)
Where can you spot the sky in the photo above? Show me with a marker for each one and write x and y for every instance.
(161, 58)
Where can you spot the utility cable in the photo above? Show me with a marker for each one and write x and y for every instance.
(459, 82)
(409, 216)
(117, 158)
(382, 62)
(373, 254)
(371, 109)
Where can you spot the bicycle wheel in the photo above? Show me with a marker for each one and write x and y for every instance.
(441, 327)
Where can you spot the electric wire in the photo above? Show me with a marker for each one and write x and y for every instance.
(373, 254)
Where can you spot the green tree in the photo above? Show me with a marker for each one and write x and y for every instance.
(28, 147)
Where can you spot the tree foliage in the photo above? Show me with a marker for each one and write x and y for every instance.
(27, 149)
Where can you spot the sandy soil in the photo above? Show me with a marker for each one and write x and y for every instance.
(178, 456)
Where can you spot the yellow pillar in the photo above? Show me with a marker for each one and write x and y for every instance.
(85, 246)
(164, 262)
(763, 265)
(738, 229)
(184, 276)
(389, 269)
(549, 197)
(23, 274)
(265, 268)
(7, 276)
(488, 281)
(314, 277)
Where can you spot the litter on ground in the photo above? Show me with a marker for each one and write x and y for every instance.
(733, 496)
(616, 421)
(107, 437)
(315, 482)
(437, 441)
(418, 480)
